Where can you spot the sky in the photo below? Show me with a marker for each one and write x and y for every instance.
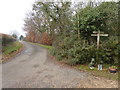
(12, 15)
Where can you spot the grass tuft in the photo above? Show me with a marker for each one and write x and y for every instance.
(102, 73)
(12, 47)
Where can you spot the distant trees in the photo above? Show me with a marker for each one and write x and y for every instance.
(48, 17)
(62, 18)
(14, 33)
(21, 37)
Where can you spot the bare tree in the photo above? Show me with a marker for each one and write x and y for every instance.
(14, 33)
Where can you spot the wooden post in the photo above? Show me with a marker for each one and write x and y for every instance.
(98, 40)
(98, 34)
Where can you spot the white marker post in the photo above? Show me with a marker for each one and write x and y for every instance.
(98, 34)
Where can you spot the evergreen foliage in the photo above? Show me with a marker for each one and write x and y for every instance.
(70, 28)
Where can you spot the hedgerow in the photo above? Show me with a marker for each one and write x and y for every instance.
(6, 39)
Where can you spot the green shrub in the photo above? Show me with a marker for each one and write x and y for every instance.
(82, 53)
(75, 53)
(109, 52)
(78, 47)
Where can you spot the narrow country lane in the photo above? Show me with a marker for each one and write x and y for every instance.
(32, 69)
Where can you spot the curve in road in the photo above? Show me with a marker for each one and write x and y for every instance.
(32, 69)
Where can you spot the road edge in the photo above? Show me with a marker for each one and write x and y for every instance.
(4, 60)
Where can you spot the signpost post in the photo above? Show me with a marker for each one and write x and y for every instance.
(98, 34)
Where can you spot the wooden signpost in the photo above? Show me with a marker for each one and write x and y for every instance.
(98, 34)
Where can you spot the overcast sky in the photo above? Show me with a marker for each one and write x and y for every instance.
(12, 14)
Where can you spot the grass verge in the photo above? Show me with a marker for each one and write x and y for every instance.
(44, 46)
(102, 73)
(7, 50)
(11, 50)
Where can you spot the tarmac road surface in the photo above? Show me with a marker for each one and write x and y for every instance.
(32, 69)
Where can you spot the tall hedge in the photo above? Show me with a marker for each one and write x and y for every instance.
(74, 50)
(6, 39)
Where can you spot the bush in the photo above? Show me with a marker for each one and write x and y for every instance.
(109, 52)
(80, 52)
